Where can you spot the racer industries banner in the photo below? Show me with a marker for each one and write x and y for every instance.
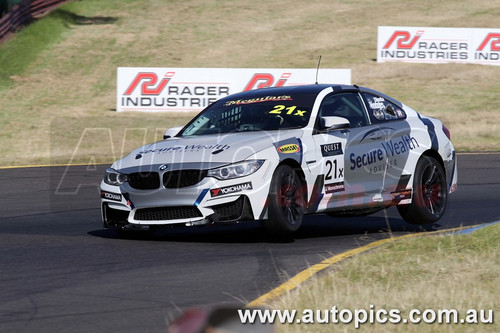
(193, 89)
(439, 45)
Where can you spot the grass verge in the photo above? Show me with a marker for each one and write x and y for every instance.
(459, 272)
(64, 65)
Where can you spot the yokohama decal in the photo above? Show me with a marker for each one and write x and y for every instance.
(111, 196)
(216, 192)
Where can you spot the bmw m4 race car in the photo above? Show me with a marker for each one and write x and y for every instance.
(276, 154)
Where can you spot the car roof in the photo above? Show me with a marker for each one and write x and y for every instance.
(307, 89)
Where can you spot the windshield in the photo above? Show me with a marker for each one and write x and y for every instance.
(257, 112)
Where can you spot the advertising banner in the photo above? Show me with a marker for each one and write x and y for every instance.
(439, 45)
(192, 89)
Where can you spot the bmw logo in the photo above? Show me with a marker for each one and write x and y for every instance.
(163, 167)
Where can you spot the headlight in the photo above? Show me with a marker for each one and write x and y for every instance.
(113, 177)
(235, 170)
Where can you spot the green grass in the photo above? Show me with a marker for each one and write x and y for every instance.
(17, 55)
(434, 272)
(64, 64)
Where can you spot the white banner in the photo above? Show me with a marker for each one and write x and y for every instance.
(192, 89)
(439, 45)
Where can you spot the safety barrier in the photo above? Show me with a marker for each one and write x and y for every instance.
(23, 13)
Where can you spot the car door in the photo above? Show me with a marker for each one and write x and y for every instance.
(388, 115)
(351, 162)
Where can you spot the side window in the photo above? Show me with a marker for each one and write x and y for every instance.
(382, 110)
(347, 105)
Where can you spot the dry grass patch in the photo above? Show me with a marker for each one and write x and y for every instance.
(76, 76)
(440, 272)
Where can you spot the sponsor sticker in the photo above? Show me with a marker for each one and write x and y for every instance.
(289, 148)
(187, 149)
(332, 149)
(259, 100)
(216, 192)
(391, 148)
(334, 187)
(111, 196)
(401, 195)
(290, 110)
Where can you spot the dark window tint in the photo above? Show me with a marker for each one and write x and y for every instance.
(346, 105)
(259, 111)
(382, 110)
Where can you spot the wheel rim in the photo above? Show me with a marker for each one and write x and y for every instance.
(290, 198)
(433, 190)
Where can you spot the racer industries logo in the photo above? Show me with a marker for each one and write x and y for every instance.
(266, 80)
(493, 39)
(149, 85)
(489, 49)
(151, 91)
(411, 46)
(404, 39)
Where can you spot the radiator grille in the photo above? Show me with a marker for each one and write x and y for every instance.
(144, 180)
(183, 178)
(167, 213)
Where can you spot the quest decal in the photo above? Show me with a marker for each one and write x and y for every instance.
(332, 149)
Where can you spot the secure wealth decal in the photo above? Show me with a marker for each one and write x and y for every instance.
(193, 89)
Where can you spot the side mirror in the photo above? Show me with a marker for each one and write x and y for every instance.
(330, 123)
(171, 132)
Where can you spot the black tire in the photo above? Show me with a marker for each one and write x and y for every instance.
(286, 202)
(430, 193)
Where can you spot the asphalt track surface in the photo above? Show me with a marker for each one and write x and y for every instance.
(60, 271)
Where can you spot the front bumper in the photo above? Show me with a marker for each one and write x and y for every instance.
(210, 201)
(144, 218)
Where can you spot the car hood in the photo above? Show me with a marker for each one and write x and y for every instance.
(201, 152)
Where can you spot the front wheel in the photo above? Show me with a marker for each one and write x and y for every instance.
(287, 203)
(430, 193)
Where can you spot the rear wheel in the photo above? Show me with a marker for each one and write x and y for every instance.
(430, 193)
(286, 205)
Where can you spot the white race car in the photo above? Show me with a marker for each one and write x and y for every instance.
(275, 154)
